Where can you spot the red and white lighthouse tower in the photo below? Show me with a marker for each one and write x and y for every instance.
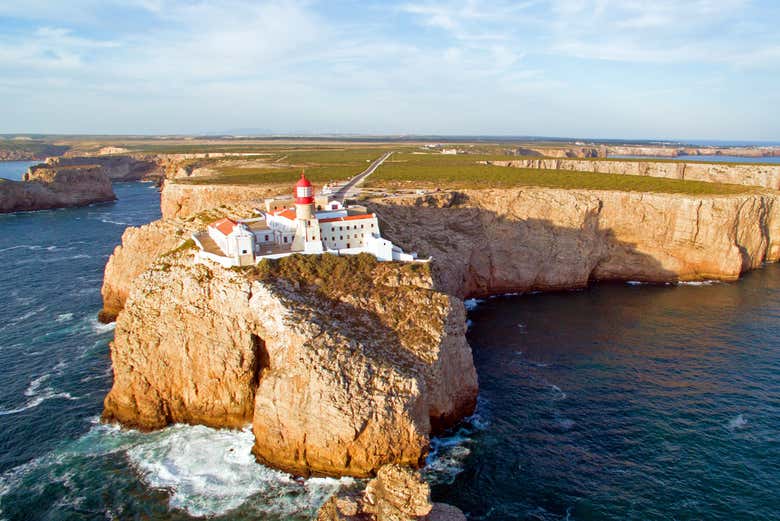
(304, 198)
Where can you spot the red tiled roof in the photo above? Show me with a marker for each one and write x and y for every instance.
(224, 226)
(288, 213)
(348, 218)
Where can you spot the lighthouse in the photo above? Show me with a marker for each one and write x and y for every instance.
(304, 199)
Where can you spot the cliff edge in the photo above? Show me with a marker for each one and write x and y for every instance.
(56, 187)
(341, 364)
(488, 242)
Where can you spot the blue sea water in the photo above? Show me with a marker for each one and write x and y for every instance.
(56, 460)
(624, 402)
(618, 402)
(14, 170)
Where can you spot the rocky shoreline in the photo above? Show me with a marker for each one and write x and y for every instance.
(349, 379)
(341, 364)
(47, 187)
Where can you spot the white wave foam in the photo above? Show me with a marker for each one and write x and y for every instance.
(448, 454)
(565, 423)
(559, 395)
(29, 314)
(698, 283)
(472, 303)
(38, 393)
(635, 283)
(64, 317)
(36, 401)
(22, 247)
(210, 472)
(99, 327)
(118, 223)
(737, 422)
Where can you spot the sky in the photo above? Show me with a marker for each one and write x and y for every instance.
(629, 69)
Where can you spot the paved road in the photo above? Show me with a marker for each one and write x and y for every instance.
(350, 187)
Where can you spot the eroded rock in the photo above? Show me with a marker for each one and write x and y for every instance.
(56, 187)
(396, 494)
(336, 379)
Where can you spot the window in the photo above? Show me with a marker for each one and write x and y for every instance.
(333, 239)
(266, 237)
(341, 237)
(243, 252)
(285, 239)
(341, 228)
(361, 226)
(372, 225)
(348, 245)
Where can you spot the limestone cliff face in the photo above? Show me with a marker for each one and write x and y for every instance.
(767, 176)
(395, 494)
(116, 167)
(140, 247)
(487, 242)
(674, 151)
(56, 187)
(183, 200)
(334, 382)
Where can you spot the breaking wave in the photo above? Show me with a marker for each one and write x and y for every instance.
(209, 472)
(37, 394)
(449, 452)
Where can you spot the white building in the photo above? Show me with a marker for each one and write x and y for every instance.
(313, 226)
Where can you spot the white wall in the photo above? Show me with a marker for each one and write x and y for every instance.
(340, 235)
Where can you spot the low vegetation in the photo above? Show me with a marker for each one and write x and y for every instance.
(464, 171)
(30, 148)
(321, 166)
(333, 274)
(379, 299)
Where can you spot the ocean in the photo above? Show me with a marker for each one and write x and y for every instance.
(14, 170)
(623, 402)
(617, 402)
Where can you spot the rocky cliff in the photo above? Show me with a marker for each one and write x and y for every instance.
(674, 151)
(767, 176)
(395, 494)
(11, 150)
(341, 364)
(56, 187)
(181, 200)
(139, 248)
(117, 167)
(486, 242)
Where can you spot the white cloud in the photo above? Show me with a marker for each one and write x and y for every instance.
(421, 66)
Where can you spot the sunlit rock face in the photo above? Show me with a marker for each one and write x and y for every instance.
(766, 175)
(46, 187)
(336, 378)
(487, 242)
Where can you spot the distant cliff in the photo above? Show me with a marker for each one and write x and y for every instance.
(56, 187)
(117, 168)
(341, 364)
(184, 199)
(11, 150)
(486, 242)
(767, 176)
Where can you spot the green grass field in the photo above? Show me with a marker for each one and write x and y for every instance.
(411, 170)
(321, 166)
